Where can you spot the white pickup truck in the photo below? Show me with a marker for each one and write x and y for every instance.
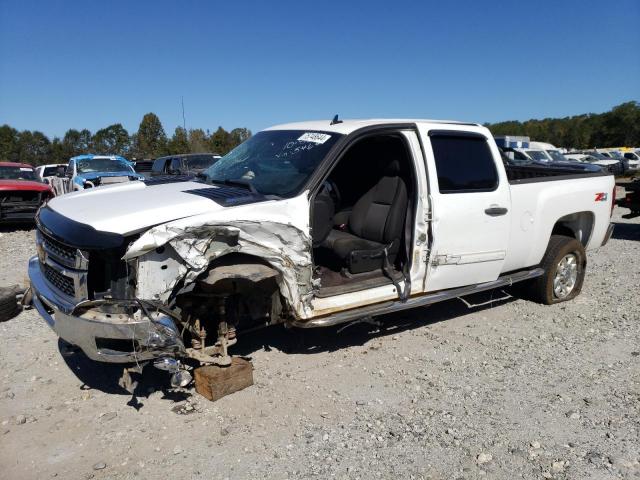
(309, 224)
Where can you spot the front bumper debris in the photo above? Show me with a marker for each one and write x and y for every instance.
(102, 330)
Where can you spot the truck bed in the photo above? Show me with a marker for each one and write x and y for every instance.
(529, 174)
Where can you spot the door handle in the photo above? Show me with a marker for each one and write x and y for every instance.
(495, 211)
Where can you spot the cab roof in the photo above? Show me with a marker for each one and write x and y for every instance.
(348, 126)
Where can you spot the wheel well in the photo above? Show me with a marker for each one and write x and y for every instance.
(576, 225)
(246, 287)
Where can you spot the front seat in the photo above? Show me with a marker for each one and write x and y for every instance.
(375, 225)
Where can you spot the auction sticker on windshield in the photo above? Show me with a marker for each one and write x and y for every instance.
(314, 137)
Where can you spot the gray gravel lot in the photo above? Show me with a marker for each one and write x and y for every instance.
(513, 390)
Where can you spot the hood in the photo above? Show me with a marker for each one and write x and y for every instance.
(130, 207)
(23, 185)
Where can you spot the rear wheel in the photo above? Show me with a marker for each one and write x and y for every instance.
(564, 265)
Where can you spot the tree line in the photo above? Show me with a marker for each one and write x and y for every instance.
(619, 127)
(150, 141)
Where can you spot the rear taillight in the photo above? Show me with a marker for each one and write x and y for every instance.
(613, 200)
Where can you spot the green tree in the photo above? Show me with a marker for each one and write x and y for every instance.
(34, 147)
(9, 147)
(151, 141)
(58, 153)
(220, 141)
(616, 128)
(112, 140)
(238, 135)
(198, 141)
(179, 143)
(76, 142)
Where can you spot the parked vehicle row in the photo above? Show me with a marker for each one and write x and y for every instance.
(309, 224)
(521, 150)
(631, 200)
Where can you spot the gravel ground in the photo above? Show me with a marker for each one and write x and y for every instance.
(512, 390)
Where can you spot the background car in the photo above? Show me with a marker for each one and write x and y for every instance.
(88, 171)
(21, 193)
(184, 164)
(45, 172)
(634, 161)
(608, 164)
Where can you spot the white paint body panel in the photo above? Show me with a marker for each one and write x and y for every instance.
(475, 242)
(131, 207)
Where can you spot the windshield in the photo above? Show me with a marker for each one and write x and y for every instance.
(274, 162)
(538, 155)
(103, 165)
(17, 173)
(200, 162)
(615, 154)
(557, 156)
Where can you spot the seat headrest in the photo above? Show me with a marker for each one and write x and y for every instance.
(392, 169)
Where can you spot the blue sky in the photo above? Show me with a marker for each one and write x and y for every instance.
(77, 64)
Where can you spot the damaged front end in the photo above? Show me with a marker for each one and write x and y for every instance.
(107, 330)
(184, 289)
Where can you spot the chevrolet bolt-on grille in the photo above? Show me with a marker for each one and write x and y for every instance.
(64, 267)
(62, 252)
(58, 280)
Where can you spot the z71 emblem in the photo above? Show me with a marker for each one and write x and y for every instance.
(601, 197)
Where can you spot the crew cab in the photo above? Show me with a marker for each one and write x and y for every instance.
(309, 224)
(21, 193)
(89, 171)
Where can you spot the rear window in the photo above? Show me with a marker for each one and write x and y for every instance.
(464, 164)
(52, 171)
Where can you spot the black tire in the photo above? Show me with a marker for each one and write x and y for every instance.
(541, 289)
(9, 306)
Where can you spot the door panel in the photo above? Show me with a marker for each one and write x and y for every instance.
(470, 210)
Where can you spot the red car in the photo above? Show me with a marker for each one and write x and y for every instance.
(21, 194)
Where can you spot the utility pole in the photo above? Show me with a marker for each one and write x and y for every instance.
(184, 122)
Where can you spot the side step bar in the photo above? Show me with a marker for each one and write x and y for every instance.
(418, 301)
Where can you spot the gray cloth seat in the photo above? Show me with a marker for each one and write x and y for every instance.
(376, 222)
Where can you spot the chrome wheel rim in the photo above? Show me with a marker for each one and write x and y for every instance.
(566, 275)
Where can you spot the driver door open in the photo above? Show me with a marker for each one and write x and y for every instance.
(369, 225)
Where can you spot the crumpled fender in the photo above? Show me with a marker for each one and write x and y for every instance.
(276, 231)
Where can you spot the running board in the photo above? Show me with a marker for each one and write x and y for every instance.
(418, 301)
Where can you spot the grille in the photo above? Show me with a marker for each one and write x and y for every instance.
(20, 196)
(63, 252)
(60, 281)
